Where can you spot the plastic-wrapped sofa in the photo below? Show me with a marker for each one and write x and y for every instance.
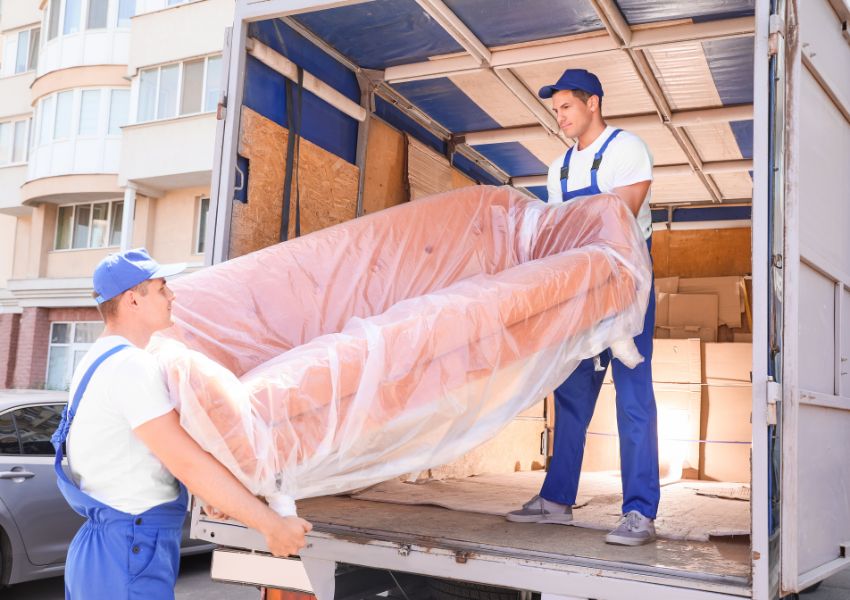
(397, 341)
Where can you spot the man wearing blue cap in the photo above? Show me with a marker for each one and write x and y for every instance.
(603, 160)
(128, 453)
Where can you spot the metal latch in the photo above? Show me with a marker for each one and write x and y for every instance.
(774, 397)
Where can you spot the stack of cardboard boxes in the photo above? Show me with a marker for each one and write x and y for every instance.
(701, 366)
(712, 309)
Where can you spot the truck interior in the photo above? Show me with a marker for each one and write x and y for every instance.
(355, 108)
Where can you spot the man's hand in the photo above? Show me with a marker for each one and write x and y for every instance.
(285, 535)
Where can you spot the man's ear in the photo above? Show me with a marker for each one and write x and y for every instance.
(593, 103)
(131, 299)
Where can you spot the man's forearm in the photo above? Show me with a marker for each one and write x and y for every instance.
(201, 472)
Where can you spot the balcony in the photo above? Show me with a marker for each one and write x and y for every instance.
(12, 177)
(159, 36)
(169, 154)
(15, 92)
(78, 132)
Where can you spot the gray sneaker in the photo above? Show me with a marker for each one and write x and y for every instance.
(541, 510)
(633, 530)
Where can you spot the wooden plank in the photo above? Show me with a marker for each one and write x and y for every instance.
(386, 164)
(702, 253)
(328, 186)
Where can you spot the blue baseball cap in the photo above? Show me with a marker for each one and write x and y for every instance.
(573, 79)
(121, 271)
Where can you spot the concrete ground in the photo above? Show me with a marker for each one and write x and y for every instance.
(194, 584)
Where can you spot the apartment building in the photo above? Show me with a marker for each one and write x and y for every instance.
(107, 126)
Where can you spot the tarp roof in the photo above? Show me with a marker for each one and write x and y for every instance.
(678, 73)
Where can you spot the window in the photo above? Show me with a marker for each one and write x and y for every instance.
(213, 82)
(96, 18)
(27, 430)
(193, 84)
(126, 9)
(167, 97)
(89, 112)
(9, 443)
(53, 19)
(201, 232)
(94, 225)
(13, 141)
(21, 59)
(19, 143)
(185, 88)
(119, 103)
(5, 143)
(68, 344)
(46, 119)
(62, 122)
(21, 50)
(35, 425)
(72, 17)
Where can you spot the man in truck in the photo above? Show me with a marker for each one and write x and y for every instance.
(603, 160)
(130, 460)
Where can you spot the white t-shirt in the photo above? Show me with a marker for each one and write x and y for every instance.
(108, 461)
(627, 160)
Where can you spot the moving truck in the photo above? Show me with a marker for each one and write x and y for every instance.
(745, 106)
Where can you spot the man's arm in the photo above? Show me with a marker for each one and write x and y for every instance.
(209, 479)
(633, 194)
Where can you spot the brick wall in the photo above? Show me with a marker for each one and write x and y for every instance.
(33, 342)
(9, 328)
(73, 314)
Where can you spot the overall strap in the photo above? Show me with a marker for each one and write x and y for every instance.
(597, 158)
(68, 413)
(565, 170)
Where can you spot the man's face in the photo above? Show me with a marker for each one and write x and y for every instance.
(154, 307)
(573, 114)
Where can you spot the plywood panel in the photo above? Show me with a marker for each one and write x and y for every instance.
(328, 186)
(386, 168)
(702, 253)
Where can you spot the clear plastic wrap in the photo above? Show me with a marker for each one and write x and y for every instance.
(398, 341)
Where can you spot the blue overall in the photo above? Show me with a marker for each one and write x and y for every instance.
(575, 400)
(116, 555)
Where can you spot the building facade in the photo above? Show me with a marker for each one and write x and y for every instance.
(107, 127)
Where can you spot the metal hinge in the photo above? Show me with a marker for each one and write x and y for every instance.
(774, 397)
(776, 29)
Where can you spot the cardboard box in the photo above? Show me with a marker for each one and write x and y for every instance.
(692, 315)
(726, 412)
(738, 337)
(677, 361)
(727, 430)
(728, 291)
(727, 364)
(673, 361)
(667, 285)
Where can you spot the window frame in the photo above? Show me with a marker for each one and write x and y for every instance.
(199, 231)
(58, 405)
(70, 344)
(13, 124)
(137, 120)
(14, 39)
(113, 202)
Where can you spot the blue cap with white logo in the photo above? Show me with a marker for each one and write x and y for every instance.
(121, 271)
(574, 79)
